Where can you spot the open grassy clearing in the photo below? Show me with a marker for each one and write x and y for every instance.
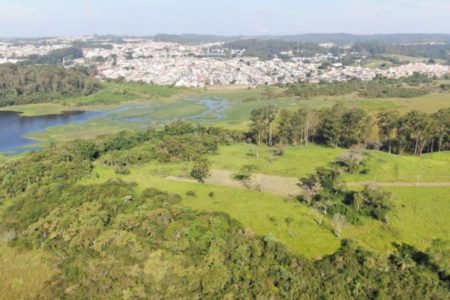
(263, 214)
(296, 161)
(385, 167)
(303, 160)
(419, 215)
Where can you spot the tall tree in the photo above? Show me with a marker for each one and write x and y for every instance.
(443, 126)
(387, 125)
(262, 120)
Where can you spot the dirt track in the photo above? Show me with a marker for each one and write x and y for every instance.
(288, 185)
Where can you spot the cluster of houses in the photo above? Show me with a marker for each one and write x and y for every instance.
(199, 65)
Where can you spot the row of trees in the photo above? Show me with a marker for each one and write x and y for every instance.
(373, 48)
(336, 126)
(414, 132)
(378, 88)
(20, 84)
(56, 57)
(268, 49)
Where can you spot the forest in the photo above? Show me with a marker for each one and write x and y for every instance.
(411, 133)
(56, 57)
(113, 241)
(24, 84)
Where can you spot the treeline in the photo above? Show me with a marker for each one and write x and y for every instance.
(110, 241)
(378, 88)
(21, 84)
(268, 49)
(414, 132)
(433, 51)
(56, 57)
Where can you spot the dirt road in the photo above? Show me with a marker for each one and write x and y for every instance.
(285, 186)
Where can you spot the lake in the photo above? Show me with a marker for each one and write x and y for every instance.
(14, 127)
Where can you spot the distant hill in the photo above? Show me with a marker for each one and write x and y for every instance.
(345, 38)
(193, 38)
(337, 38)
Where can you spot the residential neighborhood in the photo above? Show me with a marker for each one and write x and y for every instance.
(200, 65)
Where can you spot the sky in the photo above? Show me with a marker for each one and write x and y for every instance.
(32, 18)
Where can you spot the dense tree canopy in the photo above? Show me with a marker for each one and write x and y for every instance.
(21, 84)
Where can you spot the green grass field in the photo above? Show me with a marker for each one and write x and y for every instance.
(296, 161)
(419, 215)
(303, 160)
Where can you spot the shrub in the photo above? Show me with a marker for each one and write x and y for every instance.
(200, 170)
(191, 194)
(122, 170)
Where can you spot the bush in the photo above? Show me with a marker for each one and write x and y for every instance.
(122, 170)
(372, 201)
(191, 194)
(200, 170)
(245, 173)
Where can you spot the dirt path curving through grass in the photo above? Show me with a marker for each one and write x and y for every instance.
(285, 186)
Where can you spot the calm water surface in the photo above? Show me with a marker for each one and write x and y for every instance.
(14, 127)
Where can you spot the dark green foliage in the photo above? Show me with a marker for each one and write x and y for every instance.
(262, 124)
(414, 132)
(109, 242)
(200, 169)
(246, 173)
(372, 201)
(21, 84)
(56, 57)
(150, 247)
(335, 126)
(53, 165)
(325, 190)
(343, 127)
(431, 50)
(439, 257)
(377, 88)
(352, 161)
(268, 49)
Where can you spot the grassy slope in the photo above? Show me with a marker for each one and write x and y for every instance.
(300, 161)
(419, 214)
(264, 214)
(296, 162)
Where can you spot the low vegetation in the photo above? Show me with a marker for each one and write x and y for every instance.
(114, 240)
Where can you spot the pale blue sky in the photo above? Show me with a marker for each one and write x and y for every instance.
(228, 17)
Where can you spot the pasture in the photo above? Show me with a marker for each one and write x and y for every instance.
(419, 214)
